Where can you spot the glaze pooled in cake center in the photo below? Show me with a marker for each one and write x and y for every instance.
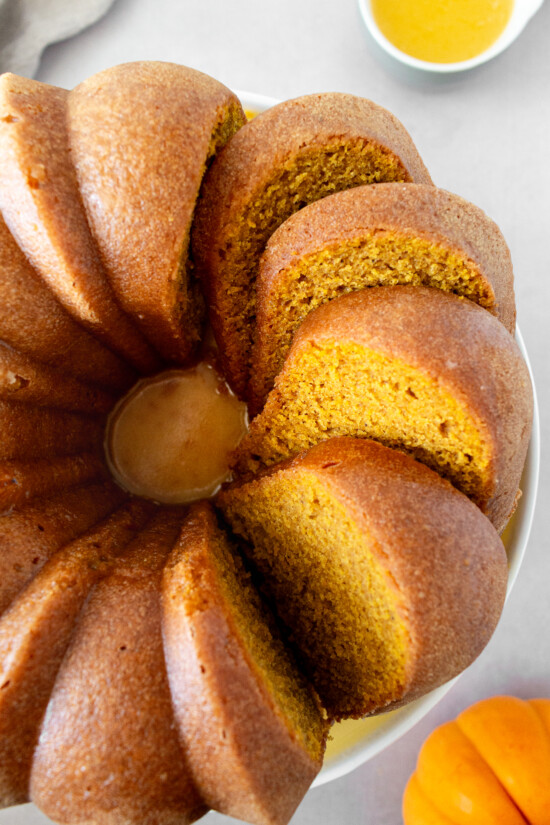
(170, 438)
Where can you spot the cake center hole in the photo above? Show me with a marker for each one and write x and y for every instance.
(171, 437)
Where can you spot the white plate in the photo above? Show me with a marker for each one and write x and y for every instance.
(522, 12)
(355, 742)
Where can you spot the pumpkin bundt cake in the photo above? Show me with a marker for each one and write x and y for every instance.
(156, 661)
(243, 708)
(412, 367)
(374, 236)
(292, 154)
(391, 580)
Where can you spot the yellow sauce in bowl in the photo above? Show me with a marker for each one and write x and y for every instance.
(442, 31)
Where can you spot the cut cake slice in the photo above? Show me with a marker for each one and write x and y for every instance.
(108, 750)
(415, 368)
(390, 580)
(382, 235)
(293, 154)
(142, 135)
(252, 727)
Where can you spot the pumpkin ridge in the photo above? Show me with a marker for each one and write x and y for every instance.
(528, 789)
(537, 704)
(417, 802)
(473, 744)
(436, 803)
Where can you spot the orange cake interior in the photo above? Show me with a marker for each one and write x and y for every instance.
(385, 399)
(382, 259)
(311, 175)
(265, 650)
(342, 609)
(187, 294)
(294, 154)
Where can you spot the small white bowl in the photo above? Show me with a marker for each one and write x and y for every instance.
(522, 12)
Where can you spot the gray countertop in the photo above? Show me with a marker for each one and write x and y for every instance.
(484, 135)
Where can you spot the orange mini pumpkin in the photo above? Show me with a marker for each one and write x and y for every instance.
(491, 766)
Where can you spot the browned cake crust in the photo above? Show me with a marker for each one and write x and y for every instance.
(35, 633)
(27, 304)
(349, 229)
(41, 204)
(21, 481)
(451, 340)
(246, 760)
(108, 749)
(33, 533)
(42, 432)
(140, 124)
(299, 151)
(446, 562)
(24, 380)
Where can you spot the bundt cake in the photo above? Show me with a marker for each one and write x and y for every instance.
(293, 154)
(243, 708)
(412, 367)
(156, 661)
(374, 236)
(391, 580)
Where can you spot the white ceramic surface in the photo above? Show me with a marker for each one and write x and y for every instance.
(355, 742)
(521, 14)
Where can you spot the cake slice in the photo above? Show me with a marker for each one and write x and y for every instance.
(41, 204)
(295, 153)
(142, 135)
(412, 367)
(251, 725)
(379, 235)
(391, 580)
(35, 633)
(108, 750)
